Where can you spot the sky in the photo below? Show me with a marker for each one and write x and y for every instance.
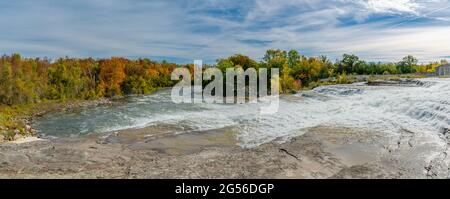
(183, 30)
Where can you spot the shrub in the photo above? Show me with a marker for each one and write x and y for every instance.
(342, 79)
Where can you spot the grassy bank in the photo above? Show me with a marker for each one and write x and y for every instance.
(13, 122)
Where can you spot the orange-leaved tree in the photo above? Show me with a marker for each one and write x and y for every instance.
(112, 75)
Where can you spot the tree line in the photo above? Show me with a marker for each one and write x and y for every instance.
(31, 80)
(297, 71)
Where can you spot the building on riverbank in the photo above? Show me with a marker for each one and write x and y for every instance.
(443, 70)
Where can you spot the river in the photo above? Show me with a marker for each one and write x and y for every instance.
(417, 106)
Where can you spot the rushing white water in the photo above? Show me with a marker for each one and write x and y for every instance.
(424, 108)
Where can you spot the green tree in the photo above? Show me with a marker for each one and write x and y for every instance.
(407, 64)
(348, 64)
(244, 61)
(293, 58)
(223, 64)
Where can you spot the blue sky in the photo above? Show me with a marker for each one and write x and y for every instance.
(180, 31)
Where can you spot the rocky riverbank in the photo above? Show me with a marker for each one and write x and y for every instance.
(321, 152)
(16, 122)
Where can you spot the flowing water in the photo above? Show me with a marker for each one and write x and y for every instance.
(421, 106)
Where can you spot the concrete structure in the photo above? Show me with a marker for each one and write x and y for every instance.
(443, 70)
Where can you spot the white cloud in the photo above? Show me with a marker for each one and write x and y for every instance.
(391, 6)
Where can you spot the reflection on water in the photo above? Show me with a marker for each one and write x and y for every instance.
(424, 107)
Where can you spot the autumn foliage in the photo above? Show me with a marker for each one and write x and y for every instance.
(30, 80)
(112, 75)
